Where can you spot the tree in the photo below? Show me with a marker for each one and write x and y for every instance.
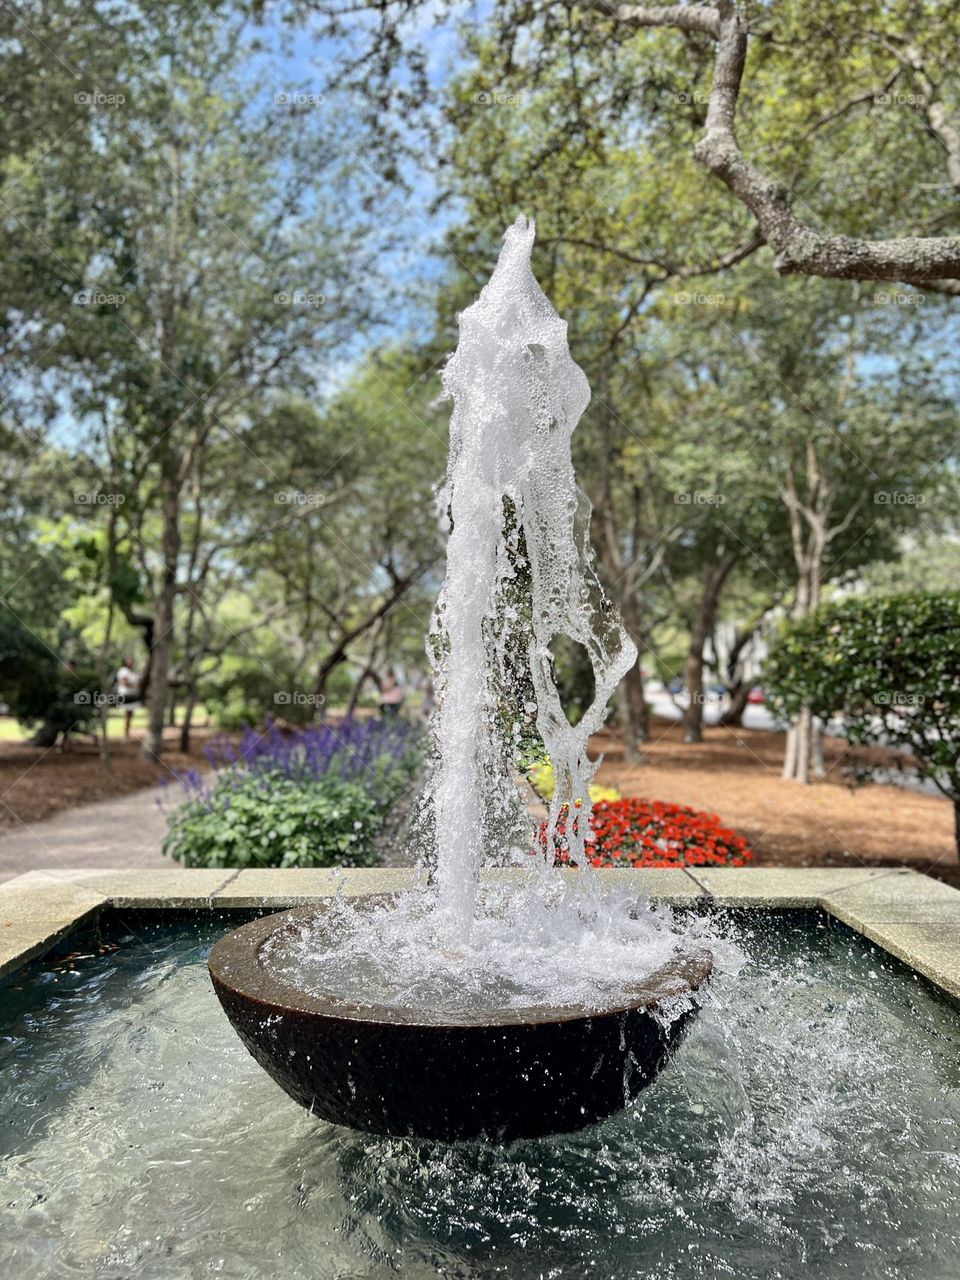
(751, 398)
(890, 666)
(211, 267)
(323, 567)
(768, 99)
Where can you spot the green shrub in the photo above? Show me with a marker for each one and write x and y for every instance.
(890, 666)
(247, 820)
(38, 688)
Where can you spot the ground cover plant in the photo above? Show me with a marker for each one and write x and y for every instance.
(315, 798)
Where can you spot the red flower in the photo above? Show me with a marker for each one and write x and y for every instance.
(651, 833)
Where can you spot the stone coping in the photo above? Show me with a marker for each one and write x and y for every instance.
(913, 917)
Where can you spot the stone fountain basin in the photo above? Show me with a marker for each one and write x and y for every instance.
(497, 1075)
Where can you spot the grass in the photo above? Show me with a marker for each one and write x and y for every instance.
(12, 731)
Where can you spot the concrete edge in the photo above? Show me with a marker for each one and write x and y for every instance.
(909, 915)
(20, 943)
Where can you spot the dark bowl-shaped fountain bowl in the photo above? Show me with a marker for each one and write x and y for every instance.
(522, 1073)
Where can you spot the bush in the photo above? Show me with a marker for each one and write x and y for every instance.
(255, 686)
(633, 832)
(39, 688)
(259, 820)
(310, 799)
(890, 666)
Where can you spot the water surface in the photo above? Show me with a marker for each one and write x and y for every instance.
(809, 1127)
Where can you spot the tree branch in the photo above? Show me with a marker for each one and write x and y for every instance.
(798, 248)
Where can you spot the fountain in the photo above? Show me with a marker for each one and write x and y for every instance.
(533, 1001)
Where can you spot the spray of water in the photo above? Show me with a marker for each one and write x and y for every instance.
(519, 575)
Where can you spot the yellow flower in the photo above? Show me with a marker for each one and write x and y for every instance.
(541, 778)
(598, 794)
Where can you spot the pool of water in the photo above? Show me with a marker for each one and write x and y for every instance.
(808, 1127)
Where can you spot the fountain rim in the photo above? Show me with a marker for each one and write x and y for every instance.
(234, 965)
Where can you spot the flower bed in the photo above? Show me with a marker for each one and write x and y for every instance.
(633, 832)
(317, 798)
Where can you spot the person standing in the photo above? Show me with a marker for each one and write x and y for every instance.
(392, 693)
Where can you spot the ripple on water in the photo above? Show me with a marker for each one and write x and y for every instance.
(808, 1127)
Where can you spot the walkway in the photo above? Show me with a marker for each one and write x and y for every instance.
(126, 832)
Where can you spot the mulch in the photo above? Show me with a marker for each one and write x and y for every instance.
(36, 782)
(735, 773)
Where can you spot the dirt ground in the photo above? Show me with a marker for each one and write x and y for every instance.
(36, 783)
(735, 773)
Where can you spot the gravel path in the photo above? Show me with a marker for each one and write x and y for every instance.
(125, 832)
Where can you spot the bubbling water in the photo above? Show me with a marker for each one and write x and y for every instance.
(529, 948)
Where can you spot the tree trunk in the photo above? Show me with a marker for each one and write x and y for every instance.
(103, 667)
(816, 748)
(692, 719)
(738, 686)
(715, 576)
(810, 541)
(732, 717)
(45, 736)
(790, 755)
(164, 619)
(188, 709)
(633, 714)
(803, 732)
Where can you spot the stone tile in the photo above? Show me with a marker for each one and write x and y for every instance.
(932, 949)
(903, 886)
(668, 884)
(900, 899)
(665, 883)
(41, 897)
(510, 875)
(173, 887)
(780, 886)
(22, 942)
(857, 916)
(294, 886)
